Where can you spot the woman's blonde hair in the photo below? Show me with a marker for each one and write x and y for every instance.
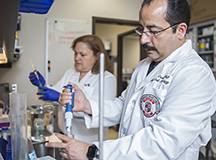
(96, 45)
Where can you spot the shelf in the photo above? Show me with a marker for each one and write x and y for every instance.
(126, 73)
(203, 36)
(206, 52)
(18, 47)
(213, 69)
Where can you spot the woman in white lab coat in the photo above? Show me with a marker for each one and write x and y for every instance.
(86, 75)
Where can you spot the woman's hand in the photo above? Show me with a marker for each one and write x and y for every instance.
(80, 101)
(72, 149)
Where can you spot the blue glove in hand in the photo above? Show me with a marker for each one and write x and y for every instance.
(35, 81)
(48, 94)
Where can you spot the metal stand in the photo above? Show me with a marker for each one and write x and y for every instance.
(101, 104)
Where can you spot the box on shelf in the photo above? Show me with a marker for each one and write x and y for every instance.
(4, 121)
(208, 30)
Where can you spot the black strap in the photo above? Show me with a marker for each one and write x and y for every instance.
(92, 152)
(151, 67)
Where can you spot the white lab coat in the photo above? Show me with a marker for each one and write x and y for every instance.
(180, 93)
(89, 84)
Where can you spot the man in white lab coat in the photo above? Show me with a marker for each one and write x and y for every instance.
(165, 113)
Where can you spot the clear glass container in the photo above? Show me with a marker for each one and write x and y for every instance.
(18, 125)
(41, 121)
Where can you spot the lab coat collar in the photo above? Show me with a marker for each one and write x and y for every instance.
(180, 52)
(85, 77)
(174, 56)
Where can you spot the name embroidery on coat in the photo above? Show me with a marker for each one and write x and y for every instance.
(162, 79)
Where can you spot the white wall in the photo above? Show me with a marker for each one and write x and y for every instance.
(131, 52)
(112, 31)
(32, 35)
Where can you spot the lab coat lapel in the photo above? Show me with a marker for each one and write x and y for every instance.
(136, 78)
(85, 78)
(76, 78)
(143, 79)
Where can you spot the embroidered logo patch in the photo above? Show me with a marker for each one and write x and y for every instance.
(149, 105)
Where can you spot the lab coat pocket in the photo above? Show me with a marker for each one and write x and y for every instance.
(87, 90)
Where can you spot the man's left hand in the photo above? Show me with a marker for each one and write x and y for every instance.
(72, 149)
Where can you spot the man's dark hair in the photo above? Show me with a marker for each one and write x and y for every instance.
(177, 11)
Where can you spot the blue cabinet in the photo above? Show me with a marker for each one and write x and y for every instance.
(35, 6)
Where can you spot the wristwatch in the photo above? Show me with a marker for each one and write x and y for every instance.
(93, 152)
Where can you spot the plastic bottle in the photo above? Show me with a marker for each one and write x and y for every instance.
(48, 124)
(209, 61)
(198, 46)
(8, 147)
(4, 132)
(210, 64)
(208, 44)
(202, 45)
(47, 119)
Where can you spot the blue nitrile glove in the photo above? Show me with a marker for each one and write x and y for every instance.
(35, 81)
(48, 94)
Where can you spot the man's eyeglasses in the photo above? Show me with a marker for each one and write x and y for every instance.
(139, 30)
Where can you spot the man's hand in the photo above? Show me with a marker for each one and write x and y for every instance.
(72, 149)
(80, 101)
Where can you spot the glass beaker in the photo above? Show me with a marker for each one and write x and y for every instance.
(42, 122)
(18, 125)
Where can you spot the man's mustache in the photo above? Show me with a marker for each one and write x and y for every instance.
(147, 47)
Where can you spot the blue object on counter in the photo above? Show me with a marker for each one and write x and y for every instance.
(35, 6)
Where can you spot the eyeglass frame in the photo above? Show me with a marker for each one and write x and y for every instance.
(153, 33)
